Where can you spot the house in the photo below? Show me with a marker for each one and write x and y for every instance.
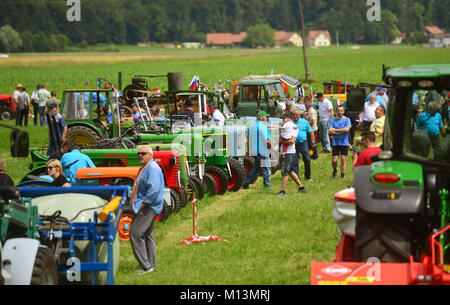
(192, 45)
(225, 39)
(437, 38)
(318, 39)
(287, 38)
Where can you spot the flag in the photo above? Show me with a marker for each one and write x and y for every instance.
(86, 83)
(194, 83)
(311, 95)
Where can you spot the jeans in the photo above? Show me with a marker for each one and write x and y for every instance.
(261, 163)
(35, 112)
(41, 115)
(23, 117)
(315, 154)
(323, 135)
(302, 148)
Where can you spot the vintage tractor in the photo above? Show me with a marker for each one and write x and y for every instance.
(57, 235)
(337, 89)
(7, 107)
(395, 222)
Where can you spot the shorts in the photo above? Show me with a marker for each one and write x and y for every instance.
(287, 165)
(340, 150)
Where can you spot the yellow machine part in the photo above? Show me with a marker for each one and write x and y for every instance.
(342, 97)
(110, 207)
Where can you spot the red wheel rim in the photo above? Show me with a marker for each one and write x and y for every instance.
(158, 218)
(248, 166)
(233, 179)
(218, 182)
(124, 227)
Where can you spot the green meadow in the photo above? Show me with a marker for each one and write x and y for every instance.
(268, 240)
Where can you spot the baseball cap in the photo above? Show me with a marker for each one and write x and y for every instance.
(19, 85)
(319, 94)
(262, 113)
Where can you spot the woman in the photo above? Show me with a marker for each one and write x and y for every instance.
(54, 169)
(5, 180)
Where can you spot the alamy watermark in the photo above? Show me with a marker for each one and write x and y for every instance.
(74, 12)
(374, 12)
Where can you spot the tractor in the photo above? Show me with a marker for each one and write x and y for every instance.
(395, 221)
(7, 107)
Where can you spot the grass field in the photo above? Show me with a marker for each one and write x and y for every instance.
(270, 241)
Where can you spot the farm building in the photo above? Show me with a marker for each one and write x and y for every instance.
(286, 38)
(282, 38)
(318, 39)
(437, 38)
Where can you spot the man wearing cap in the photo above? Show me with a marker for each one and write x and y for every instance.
(326, 113)
(57, 129)
(260, 142)
(43, 95)
(16, 94)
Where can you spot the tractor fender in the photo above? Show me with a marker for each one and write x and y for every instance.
(408, 200)
(87, 125)
(167, 196)
(18, 260)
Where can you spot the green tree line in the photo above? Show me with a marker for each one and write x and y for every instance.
(42, 25)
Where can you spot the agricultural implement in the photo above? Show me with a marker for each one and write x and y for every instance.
(63, 235)
(7, 107)
(395, 222)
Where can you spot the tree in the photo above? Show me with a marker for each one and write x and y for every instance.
(10, 40)
(260, 35)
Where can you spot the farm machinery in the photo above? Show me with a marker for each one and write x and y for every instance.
(7, 107)
(54, 235)
(395, 221)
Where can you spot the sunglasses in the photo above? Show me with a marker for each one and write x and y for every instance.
(50, 167)
(142, 153)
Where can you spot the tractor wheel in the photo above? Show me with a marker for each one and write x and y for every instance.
(44, 269)
(211, 185)
(175, 198)
(220, 177)
(129, 93)
(6, 114)
(183, 198)
(167, 210)
(191, 190)
(200, 187)
(125, 223)
(386, 237)
(82, 135)
(125, 111)
(238, 174)
(249, 164)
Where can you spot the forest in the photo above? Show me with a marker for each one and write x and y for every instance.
(42, 25)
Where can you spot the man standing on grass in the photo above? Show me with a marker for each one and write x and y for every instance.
(301, 144)
(288, 161)
(339, 128)
(147, 199)
(44, 96)
(326, 113)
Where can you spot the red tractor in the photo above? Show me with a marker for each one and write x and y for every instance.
(7, 107)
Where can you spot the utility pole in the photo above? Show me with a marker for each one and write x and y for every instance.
(305, 59)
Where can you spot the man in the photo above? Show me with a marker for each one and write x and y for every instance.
(188, 108)
(16, 94)
(377, 126)
(54, 100)
(301, 144)
(156, 115)
(147, 199)
(382, 93)
(288, 161)
(368, 115)
(23, 109)
(311, 117)
(58, 154)
(135, 114)
(35, 103)
(217, 118)
(431, 120)
(339, 128)
(260, 142)
(44, 96)
(288, 109)
(326, 113)
(371, 149)
(74, 160)
(57, 129)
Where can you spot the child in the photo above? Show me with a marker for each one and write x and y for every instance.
(286, 131)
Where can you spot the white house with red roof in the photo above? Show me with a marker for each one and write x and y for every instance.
(318, 39)
(437, 38)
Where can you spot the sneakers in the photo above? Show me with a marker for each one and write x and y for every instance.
(281, 193)
(342, 176)
(245, 186)
(334, 173)
(302, 189)
(144, 271)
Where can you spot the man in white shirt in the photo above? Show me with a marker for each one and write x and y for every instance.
(44, 96)
(35, 104)
(16, 94)
(288, 162)
(368, 115)
(217, 118)
(326, 113)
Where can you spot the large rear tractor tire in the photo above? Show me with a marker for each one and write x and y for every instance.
(238, 174)
(220, 177)
(211, 185)
(383, 236)
(44, 269)
(82, 135)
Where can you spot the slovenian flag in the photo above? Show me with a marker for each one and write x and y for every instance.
(194, 83)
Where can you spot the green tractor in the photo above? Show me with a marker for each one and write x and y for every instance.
(401, 199)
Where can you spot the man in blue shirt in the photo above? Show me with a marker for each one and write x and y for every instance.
(339, 128)
(301, 144)
(147, 201)
(431, 120)
(259, 147)
(73, 160)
